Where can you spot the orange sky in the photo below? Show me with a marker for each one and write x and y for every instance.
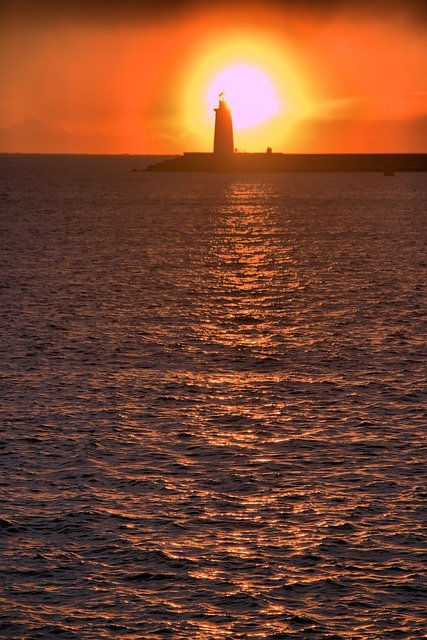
(135, 80)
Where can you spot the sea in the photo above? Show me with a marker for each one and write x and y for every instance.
(211, 421)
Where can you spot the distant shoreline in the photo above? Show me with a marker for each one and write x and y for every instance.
(91, 155)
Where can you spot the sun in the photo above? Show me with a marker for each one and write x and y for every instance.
(249, 93)
(263, 85)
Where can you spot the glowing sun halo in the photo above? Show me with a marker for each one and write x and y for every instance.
(248, 92)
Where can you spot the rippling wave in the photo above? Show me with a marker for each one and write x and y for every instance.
(212, 403)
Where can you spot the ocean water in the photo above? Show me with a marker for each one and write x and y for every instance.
(211, 403)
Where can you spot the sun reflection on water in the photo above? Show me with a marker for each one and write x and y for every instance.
(208, 437)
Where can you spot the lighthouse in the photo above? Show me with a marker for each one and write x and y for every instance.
(223, 138)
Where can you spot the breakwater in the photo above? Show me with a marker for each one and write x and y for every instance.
(294, 162)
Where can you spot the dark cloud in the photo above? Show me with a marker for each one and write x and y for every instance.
(152, 10)
(96, 9)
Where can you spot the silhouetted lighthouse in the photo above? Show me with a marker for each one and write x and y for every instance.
(223, 139)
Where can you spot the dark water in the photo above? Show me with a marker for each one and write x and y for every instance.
(211, 419)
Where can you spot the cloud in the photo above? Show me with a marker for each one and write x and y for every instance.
(352, 135)
(34, 136)
(311, 135)
(154, 10)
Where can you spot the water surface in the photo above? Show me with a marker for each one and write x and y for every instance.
(211, 421)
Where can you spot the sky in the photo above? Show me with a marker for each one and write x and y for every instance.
(129, 76)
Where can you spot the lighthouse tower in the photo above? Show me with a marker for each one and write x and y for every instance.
(223, 139)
